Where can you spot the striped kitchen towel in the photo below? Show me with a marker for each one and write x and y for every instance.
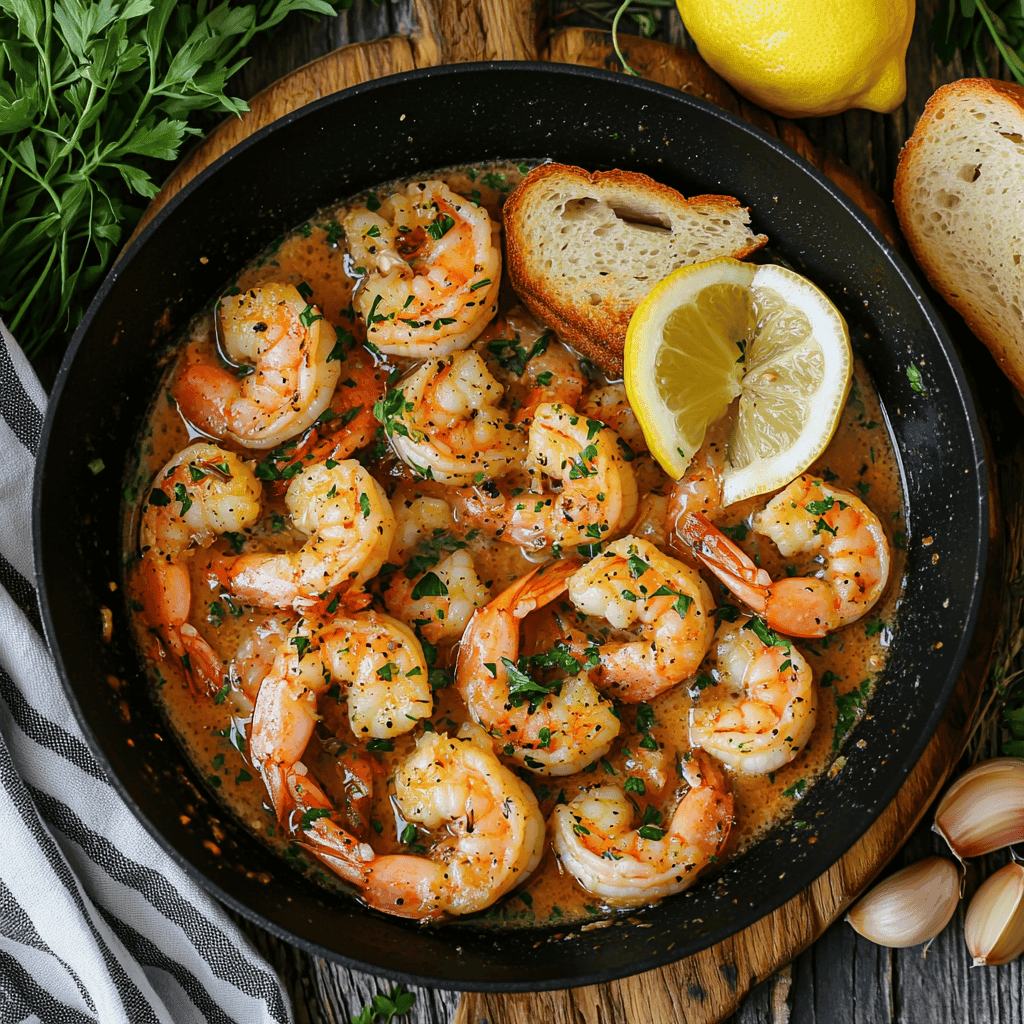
(97, 923)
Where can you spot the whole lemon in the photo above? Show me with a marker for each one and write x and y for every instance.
(804, 58)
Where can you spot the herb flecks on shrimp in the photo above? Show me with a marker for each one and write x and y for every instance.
(433, 267)
(279, 375)
(582, 489)
(384, 587)
(807, 518)
(202, 493)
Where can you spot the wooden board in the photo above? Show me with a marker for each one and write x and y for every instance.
(709, 985)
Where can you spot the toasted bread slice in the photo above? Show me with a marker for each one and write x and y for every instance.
(959, 196)
(584, 249)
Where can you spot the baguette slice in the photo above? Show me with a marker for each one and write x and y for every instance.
(584, 249)
(959, 196)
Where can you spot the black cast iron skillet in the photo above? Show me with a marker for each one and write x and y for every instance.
(403, 126)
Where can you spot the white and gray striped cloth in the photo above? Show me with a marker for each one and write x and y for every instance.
(96, 921)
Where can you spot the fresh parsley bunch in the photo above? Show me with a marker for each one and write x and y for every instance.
(965, 24)
(94, 95)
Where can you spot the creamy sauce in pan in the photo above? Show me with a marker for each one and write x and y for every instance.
(214, 731)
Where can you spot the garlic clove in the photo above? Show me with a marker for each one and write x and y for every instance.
(984, 809)
(994, 927)
(909, 907)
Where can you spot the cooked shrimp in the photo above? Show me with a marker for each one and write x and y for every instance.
(350, 775)
(346, 425)
(257, 653)
(650, 520)
(535, 367)
(595, 841)
(379, 662)
(286, 345)
(418, 519)
(434, 266)
(440, 601)
(445, 421)
(611, 406)
(596, 499)
(632, 583)
(807, 518)
(551, 728)
(345, 514)
(760, 713)
(485, 832)
(201, 493)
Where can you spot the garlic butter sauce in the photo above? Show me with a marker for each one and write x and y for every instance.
(213, 731)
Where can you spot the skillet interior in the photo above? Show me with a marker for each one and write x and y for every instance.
(390, 128)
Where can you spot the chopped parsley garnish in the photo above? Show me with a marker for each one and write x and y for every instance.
(513, 357)
(767, 636)
(849, 708)
(309, 316)
(440, 227)
(313, 814)
(429, 585)
(737, 532)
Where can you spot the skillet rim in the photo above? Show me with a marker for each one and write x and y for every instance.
(866, 815)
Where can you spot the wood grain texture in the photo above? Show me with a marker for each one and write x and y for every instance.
(457, 31)
(841, 977)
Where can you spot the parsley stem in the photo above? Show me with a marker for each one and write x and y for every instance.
(1013, 62)
(615, 39)
(75, 136)
(23, 309)
(31, 174)
(44, 50)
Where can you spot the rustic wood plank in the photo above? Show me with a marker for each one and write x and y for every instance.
(468, 30)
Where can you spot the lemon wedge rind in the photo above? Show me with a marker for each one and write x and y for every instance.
(815, 405)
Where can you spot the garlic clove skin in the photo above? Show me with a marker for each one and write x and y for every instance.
(909, 907)
(994, 927)
(984, 809)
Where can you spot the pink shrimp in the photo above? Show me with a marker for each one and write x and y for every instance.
(201, 493)
(478, 825)
(287, 345)
(806, 518)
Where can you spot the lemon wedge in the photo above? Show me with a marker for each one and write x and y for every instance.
(713, 332)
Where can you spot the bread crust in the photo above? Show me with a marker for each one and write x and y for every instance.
(944, 246)
(594, 317)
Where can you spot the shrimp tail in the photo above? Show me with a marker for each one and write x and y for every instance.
(404, 886)
(726, 560)
(203, 669)
(322, 835)
(539, 587)
(803, 606)
(166, 592)
(708, 808)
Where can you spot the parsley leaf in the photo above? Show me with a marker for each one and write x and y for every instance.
(97, 100)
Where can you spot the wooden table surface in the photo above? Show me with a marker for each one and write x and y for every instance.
(841, 978)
